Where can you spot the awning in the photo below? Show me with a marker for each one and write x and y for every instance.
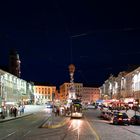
(99, 101)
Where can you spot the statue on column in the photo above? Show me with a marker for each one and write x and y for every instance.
(71, 88)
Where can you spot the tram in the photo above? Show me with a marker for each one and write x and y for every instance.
(76, 110)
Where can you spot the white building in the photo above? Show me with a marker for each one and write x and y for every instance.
(12, 89)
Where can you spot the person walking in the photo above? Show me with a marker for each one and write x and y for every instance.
(11, 111)
(15, 111)
(2, 113)
(58, 111)
(127, 108)
(23, 107)
(20, 110)
(55, 111)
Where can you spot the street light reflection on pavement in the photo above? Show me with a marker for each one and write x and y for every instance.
(48, 110)
(75, 125)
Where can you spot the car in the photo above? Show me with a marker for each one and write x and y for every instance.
(109, 115)
(135, 119)
(121, 118)
(115, 113)
(90, 107)
(102, 114)
(49, 106)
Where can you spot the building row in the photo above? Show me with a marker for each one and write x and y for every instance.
(86, 94)
(124, 87)
(14, 90)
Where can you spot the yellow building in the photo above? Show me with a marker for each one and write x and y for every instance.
(43, 94)
(64, 88)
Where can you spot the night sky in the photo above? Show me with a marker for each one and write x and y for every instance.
(99, 37)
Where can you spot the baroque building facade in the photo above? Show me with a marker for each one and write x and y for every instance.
(90, 95)
(86, 94)
(125, 87)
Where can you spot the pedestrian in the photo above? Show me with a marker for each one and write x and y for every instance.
(15, 111)
(126, 108)
(55, 111)
(11, 111)
(20, 110)
(2, 113)
(58, 111)
(23, 107)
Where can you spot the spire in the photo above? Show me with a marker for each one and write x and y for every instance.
(14, 63)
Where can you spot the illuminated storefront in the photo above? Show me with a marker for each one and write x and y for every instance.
(12, 89)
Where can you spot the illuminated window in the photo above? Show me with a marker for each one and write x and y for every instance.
(116, 87)
(139, 81)
(48, 90)
(123, 82)
(135, 83)
(48, 97)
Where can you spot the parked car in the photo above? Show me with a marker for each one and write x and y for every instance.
(121, 118)
(90, 106)
(102, 114)
(115, 113)
(109, 115)
(135, 119)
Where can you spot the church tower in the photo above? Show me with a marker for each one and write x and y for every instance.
(14, 63)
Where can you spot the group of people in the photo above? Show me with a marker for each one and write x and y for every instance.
(14, 110)
(59, 111)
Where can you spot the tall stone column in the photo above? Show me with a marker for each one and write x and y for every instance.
(71, 94)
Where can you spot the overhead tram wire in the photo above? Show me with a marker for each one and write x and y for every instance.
(60, 13)
(71, 37)
(106, 30)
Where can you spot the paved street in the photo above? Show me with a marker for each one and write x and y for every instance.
(107, 131)
(90, 127)
(18, 128)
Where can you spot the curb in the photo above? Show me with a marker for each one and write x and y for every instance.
(62, 123)
(11, 119)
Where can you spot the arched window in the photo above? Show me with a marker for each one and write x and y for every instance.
(138, 78)
(116, 87)
(110, 86)
(123, 81)
(135, 82)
